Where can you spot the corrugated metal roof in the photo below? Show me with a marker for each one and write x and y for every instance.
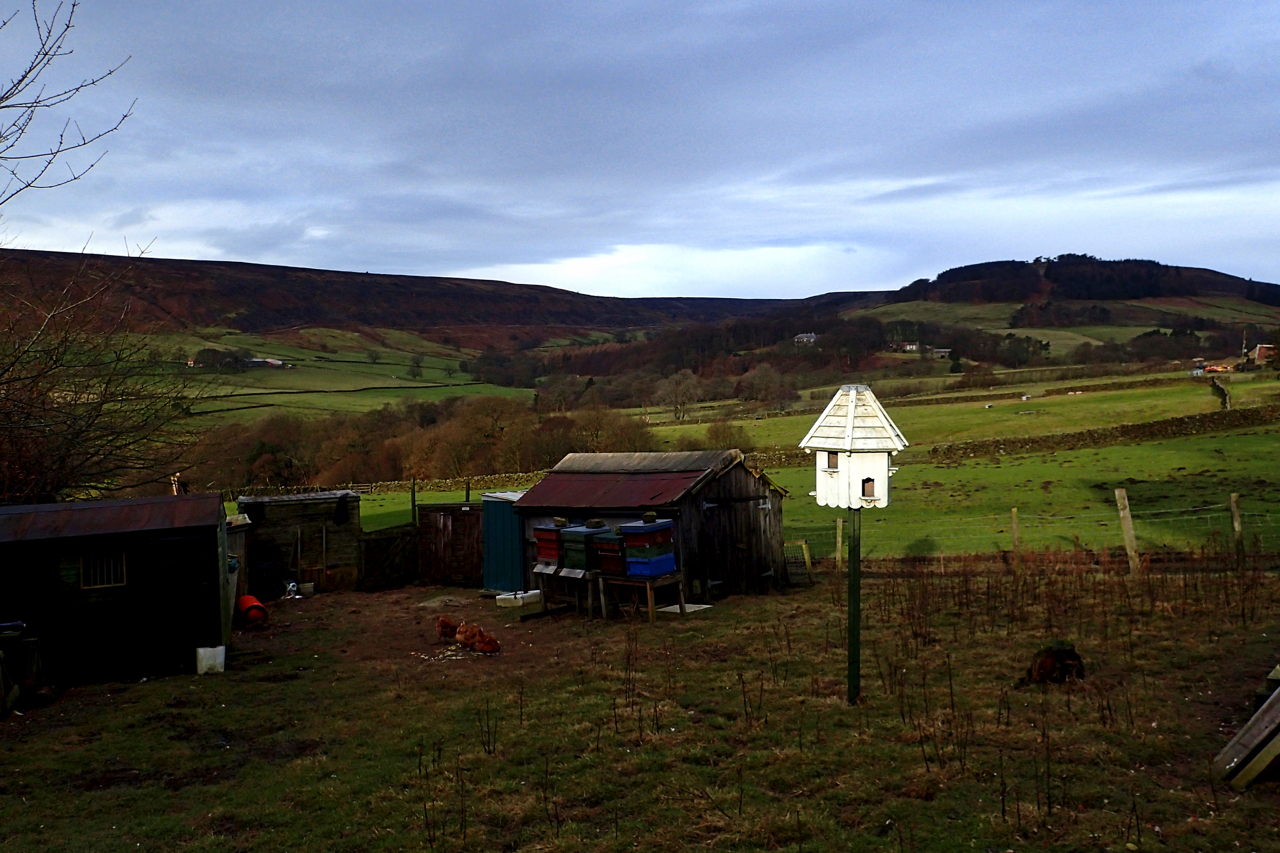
(571, 489)
(855, 421)
(510, 497)
(628, 463)
(92, 518)
(304, 496)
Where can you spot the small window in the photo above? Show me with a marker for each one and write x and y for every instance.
(868, 487)
(833, 461)
(101, 570)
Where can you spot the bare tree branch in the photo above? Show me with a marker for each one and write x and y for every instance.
(85, 406)
(25, 160)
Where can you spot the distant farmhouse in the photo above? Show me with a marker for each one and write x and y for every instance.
(1262, 353)
(806, 340)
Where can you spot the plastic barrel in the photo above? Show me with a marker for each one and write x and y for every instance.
(251, 609)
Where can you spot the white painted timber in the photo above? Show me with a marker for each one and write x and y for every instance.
(853, 441)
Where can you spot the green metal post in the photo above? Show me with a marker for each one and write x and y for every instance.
(855, 605)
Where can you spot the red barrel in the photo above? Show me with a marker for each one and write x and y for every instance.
(251, 609)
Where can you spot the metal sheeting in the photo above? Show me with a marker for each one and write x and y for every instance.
(653, 463)
(92, 518)
(606, 490)
(301, 497)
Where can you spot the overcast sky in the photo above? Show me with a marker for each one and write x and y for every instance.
(719, 148)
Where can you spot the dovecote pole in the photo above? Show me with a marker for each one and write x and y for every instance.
(853, 442)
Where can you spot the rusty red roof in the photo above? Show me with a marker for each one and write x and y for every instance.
(605, 490)
(93, 518)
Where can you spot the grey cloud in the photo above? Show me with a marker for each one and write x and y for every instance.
(424, 137)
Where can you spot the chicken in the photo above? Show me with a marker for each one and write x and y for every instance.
(487, 644)
(446, 627)
(468, 634)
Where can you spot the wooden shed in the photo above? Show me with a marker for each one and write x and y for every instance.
(116, 588)
(451, 544)
(728, 518)
(308, 538)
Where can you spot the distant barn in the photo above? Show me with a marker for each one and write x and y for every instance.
(728, 518)
(122, 587)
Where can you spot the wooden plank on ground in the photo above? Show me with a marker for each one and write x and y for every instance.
(1250, 741)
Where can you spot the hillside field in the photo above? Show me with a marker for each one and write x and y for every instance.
(965, 508)
(1041, 415)
(333, 372)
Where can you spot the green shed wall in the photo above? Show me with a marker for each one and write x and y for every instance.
(503, 547)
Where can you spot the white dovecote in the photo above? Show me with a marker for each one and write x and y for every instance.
(854, 441)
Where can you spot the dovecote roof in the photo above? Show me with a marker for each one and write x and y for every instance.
(855, 421)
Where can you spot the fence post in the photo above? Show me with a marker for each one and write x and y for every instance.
(855, 605)
(1237, 531)
(1017, 541)
(839, 545)
(413, 500)
(1126, 525)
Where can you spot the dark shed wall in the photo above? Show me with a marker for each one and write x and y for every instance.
(170, 603)
(730, 532)
(315, 540)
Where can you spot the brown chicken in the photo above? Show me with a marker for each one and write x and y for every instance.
(468, 634)
(487, 644)
(446, 627)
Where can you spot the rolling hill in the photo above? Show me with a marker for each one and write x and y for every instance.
(260, 298)
(1080, 278)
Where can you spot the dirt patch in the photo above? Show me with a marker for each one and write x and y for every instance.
(287, 750)
(277, 677)
(114, 775)
(397, 627)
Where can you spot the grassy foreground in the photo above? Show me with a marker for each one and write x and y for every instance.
(344, 726)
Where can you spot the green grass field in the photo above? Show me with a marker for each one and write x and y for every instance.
(332, 373)
(965, 508)
(928, 425)
(1064, 495)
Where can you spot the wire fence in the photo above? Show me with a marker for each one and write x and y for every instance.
(1202, 528)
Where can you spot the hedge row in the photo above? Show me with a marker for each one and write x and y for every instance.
(1105, 436)
(1154, 382)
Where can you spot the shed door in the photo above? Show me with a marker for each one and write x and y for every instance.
(503, 547)
(449, 546)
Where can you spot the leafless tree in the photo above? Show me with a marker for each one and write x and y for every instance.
(27, 155)
(85, 407)
(678, 391)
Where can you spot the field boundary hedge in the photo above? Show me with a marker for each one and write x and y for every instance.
(1106, 436)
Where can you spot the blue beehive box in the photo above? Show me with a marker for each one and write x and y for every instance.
(651, 567)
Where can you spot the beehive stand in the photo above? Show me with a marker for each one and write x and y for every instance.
(650, 584)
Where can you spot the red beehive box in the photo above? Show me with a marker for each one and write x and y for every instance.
(637, 534)
(609, 554)
(548, 543)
